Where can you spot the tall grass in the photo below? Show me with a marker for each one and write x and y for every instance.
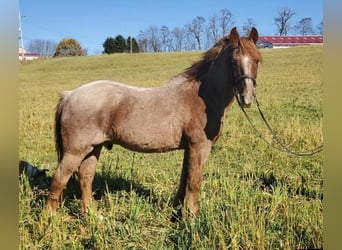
(252, 197)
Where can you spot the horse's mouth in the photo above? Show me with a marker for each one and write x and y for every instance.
(246, 102)
(245, 105)
(245, 98)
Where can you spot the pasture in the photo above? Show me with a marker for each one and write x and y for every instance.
(252, 196)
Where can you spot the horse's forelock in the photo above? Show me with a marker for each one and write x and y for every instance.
(249, 48)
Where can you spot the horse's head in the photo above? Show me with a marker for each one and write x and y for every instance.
(245, 57)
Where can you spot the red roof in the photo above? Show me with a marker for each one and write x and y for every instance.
(292, 40)
(30, 54)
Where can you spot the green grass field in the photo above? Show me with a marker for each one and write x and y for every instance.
(252, 197)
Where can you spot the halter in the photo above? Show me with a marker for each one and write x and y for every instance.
(238, 79)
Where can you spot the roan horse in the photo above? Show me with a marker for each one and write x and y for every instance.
(186, 113)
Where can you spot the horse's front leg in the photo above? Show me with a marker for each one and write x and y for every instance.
(192, 174)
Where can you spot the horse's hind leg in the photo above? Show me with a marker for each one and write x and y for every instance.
(86, 174)
(66, 167)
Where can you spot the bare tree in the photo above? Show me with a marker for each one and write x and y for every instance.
(282, 21)
(149, 40)
(178, 38)
(189, 41)
(42, 47)
(196, 28)
(320, 28)
(165, 39)
(225, 21)
(153, 32)
(246, 28)
(304, 27)
(212, 30)
(143, 41)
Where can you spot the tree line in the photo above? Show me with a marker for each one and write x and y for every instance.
(199, 34)
(202, 33)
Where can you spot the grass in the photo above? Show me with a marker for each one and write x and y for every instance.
(253, 197)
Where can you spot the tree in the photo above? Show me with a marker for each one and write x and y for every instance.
(153, 32)
(149, 40)
(178, 38)
(246, 28)
(282, 21)
(304, 27)
(119, 44)
(42, 47)
(135, 47)
(212, 30)
(109, 45)
(143, 41)
(69, 47)
(225, 21)
(320, 28)
(165, 38)
(196, 28)
(189, 41)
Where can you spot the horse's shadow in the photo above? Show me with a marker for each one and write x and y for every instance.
(105, 183)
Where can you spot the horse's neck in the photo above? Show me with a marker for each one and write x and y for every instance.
(216, 88)
(217, 93)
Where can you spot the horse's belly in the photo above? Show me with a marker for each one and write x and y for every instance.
(149, 143)
(157, 137)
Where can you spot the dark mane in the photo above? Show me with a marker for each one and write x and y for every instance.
(201, 67)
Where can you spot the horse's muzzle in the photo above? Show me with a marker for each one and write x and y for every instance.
(248, 99)
(244, 90)
(245, 102)
(247, 95)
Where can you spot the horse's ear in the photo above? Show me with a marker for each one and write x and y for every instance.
(234, 36)
(254, 35)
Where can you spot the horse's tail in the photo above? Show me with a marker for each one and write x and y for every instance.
(58, 125)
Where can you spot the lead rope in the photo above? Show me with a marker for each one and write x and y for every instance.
(273, 134)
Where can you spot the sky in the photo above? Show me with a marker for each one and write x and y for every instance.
(91, 22)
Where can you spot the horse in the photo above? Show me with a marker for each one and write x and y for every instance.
(186, 113)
